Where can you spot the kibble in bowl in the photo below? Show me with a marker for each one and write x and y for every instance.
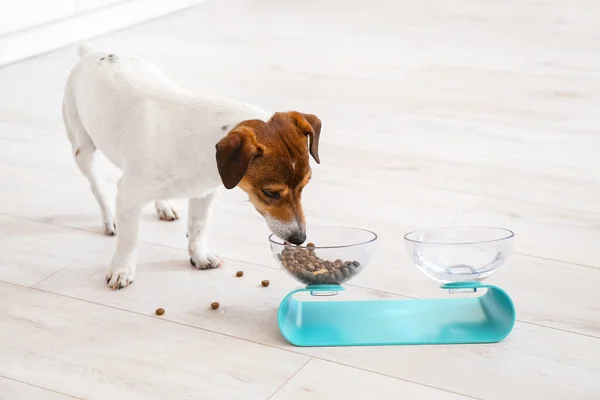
(331, 256)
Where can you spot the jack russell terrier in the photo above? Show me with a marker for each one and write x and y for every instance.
(171, 143)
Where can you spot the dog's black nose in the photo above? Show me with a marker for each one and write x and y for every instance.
(297, 238)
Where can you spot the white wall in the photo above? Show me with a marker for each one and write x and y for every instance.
(32, 27)
(16, 15)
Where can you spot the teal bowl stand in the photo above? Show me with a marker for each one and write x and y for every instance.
(487, 318)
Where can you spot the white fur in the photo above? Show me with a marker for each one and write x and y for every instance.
(283, 229)
(160, 135)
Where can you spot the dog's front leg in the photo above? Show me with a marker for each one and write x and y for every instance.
(128, 213)
(199, 211)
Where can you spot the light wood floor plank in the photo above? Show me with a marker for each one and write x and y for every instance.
(96, 352)
(15, 390)
(325, 380)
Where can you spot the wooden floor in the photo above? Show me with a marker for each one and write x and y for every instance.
(434, 113)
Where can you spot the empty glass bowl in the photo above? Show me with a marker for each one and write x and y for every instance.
(459, 254)
(331, 256)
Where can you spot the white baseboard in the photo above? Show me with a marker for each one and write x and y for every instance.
(38, 40)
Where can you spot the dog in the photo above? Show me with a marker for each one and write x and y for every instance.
(172, 143)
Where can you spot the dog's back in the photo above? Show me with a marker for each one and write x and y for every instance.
(135, 115)
(107, 94)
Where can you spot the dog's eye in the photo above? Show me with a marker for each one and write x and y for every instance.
(271, 194)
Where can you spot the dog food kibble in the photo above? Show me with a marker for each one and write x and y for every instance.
(265, 283)
(160, 311)
(308, 267)
(239, 274)
(214, 305)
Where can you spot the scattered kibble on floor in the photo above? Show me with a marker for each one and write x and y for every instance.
(215, 305)
(239, 274)
(160, 311)
(265, 283)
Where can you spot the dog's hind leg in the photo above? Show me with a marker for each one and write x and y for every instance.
(84, 152)
(130, 202)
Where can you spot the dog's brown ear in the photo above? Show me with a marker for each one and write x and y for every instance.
(234, 154)
(310, 125)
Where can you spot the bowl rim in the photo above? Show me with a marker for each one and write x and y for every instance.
(509, 234)
(373, 239)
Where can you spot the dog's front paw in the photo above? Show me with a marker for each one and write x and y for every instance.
(166, 210)
(206, 261)
(119, 278)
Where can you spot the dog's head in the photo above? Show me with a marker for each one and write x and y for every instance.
(269, 161)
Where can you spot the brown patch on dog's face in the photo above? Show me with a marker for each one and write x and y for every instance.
(270, 162)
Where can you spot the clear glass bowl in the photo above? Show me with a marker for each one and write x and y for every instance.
(338, 255)
(459, 254)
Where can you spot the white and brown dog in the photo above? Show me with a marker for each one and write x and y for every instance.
(171, 143)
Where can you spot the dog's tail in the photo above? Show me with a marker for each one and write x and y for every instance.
(85, 48)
